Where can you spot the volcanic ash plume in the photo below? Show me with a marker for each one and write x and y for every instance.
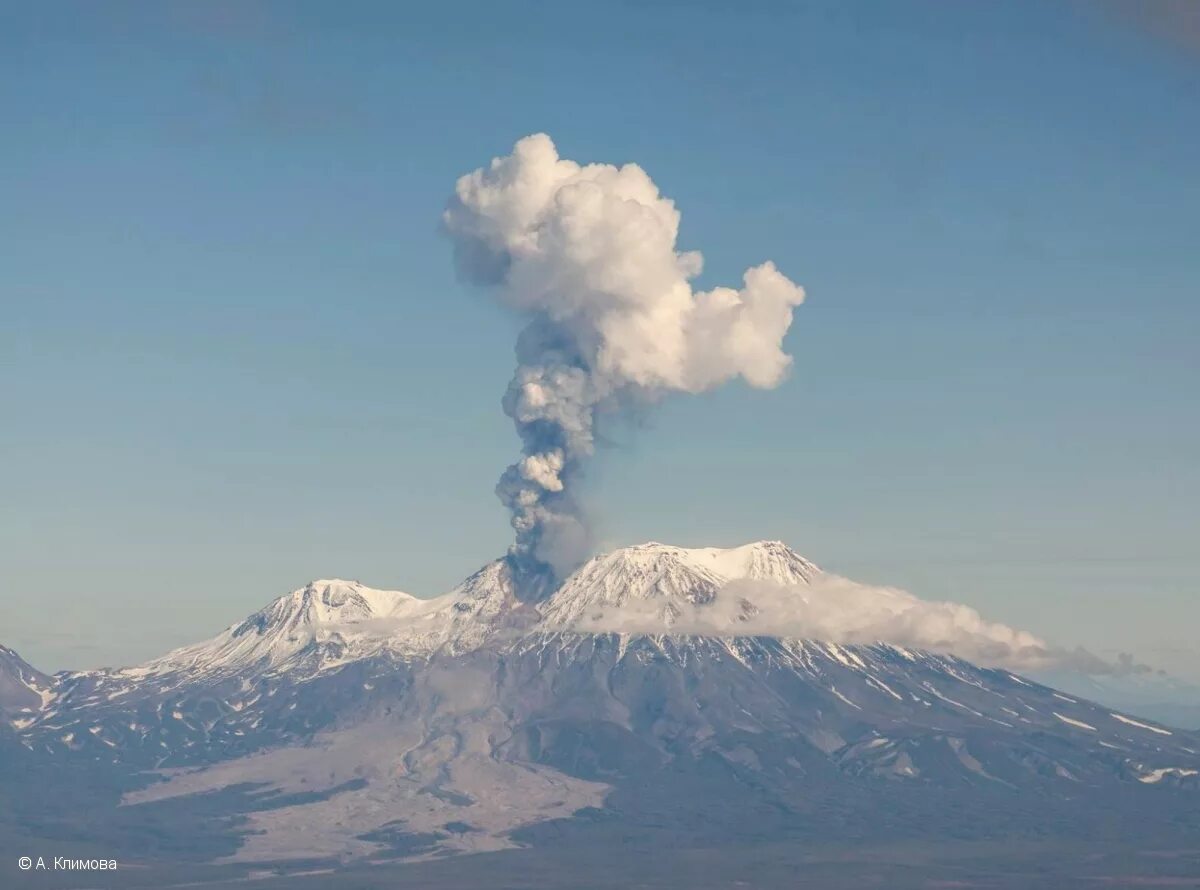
(588, 254)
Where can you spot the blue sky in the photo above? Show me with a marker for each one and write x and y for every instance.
(235, 355)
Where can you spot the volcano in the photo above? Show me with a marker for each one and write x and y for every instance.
(343, 724)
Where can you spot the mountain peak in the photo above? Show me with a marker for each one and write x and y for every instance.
(22, 687)
(325, 602)
(670, 575)
(328, 612)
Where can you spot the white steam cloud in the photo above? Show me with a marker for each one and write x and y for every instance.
(837, 610)
(588, 253)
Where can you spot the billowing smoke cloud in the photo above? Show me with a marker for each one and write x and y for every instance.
(837, 610)
(588, 254)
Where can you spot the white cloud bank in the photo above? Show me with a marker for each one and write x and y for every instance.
(835, 609)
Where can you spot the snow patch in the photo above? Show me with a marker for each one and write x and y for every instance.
(1157, 775)
(1071, 722)
(1133, 722)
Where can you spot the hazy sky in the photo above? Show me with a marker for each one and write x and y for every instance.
(235, 355)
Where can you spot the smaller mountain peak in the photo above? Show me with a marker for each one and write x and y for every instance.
(21, 684)
(323, 602)
(324, 610)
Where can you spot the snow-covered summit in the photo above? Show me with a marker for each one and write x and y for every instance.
(323, 603)
(670, 577)
(329, 612)
(759, 561)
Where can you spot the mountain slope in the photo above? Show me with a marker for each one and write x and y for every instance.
(1148, 694)
(503, 739)
(23, 689)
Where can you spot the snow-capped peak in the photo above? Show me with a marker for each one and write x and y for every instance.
(323, 603)
(674, 576)
(760, 561)
(330, 611)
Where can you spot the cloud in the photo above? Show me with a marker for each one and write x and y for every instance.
(588, 254)
(835, 609)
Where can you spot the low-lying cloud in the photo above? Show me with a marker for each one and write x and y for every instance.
(837, 610)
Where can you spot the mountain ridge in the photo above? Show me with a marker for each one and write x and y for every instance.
(641, 589)
(361, 621)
